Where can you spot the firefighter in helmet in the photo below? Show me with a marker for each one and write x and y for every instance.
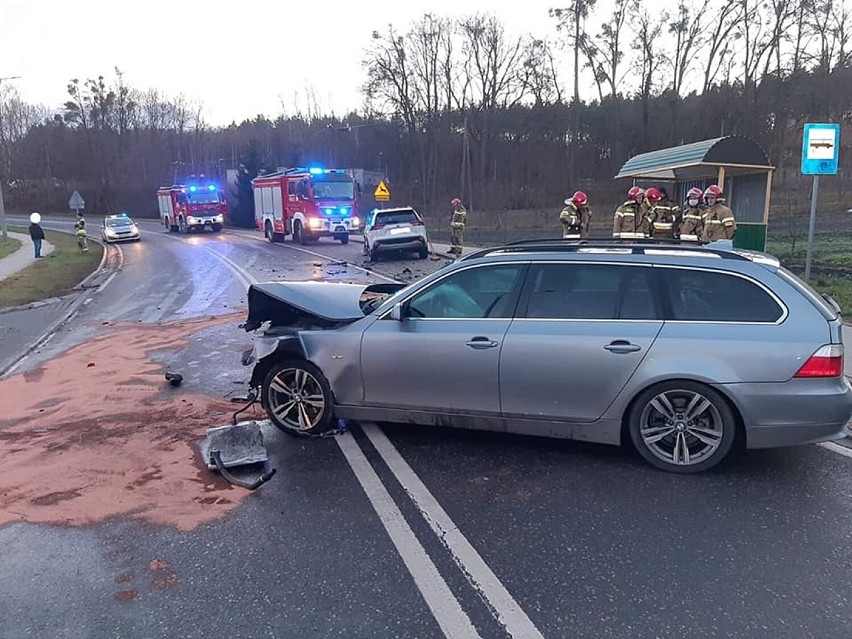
(631, 218)
(661, 217)
(692, 221)
(576, 216)
(457, 222)
(719, 223)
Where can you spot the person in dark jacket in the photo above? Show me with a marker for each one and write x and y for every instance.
(36, 233)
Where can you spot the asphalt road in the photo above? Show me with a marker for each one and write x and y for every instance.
(394, 531)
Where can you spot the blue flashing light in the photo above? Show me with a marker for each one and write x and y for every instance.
(211, 187)
(315, 170)
(344, 210)
(193, 189)
(329, 211)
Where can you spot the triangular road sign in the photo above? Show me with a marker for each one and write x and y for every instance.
(76, 202)
(382, 192)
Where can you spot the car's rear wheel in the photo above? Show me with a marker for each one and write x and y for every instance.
(297, 397)
(682, 426)
(343, 238)
(423, 253)
(374, 255)
(267, 231)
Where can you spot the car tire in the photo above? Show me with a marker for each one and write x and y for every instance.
(423, 253)
(294, 382)
(375, 256)
(217, 228)
(297, 233)
(682, 426)
(268, 233)
(182, 227)
(344, 239)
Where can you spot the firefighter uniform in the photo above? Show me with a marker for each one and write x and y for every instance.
(631, 221)
(457, 223)
(80, 232)
(719, 223)
(575, 221)
(663, 219)
(692, 224)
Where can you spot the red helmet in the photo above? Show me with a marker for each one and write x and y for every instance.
(455, 201)
(579, 198)
(653, 195)
(635, 193)
(694, 192)
(713, 190)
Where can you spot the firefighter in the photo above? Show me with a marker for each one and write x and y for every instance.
(576, 216)
(457, 227)
(661, 218)
(631, 218)
(719, 223)
(80, 232)
(692, 221)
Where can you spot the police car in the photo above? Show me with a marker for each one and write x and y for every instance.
(119, 228)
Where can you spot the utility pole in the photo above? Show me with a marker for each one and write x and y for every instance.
(2, 178)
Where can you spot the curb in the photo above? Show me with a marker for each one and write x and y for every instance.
(81, 286)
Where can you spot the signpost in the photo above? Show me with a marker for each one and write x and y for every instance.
(382, 192)
(820, 154)
(76, 203)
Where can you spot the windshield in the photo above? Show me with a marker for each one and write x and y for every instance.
(333, 190)
(119, 221)
(204, 197)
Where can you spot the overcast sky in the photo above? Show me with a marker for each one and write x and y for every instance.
(238, 58)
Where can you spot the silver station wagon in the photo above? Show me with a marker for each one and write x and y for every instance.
(682, 351)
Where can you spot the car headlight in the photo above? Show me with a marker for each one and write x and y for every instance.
(110, 232)
(356, 221)
(315, 223)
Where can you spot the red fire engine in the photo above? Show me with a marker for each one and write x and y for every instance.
(190, 207)
(306, 204)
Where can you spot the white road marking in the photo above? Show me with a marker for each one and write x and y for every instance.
(504, 607)
(446, 609)
(117, 268)
(837, 448)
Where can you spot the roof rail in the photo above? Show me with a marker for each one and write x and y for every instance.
(636, 246)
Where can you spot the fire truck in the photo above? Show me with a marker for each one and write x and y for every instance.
(306, 204)
(190, 207)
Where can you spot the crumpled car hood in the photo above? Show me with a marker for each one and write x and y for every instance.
(315, 304)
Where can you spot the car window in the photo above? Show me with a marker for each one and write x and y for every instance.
(707, 296)
(589, 291)
(481, 292)
(396, 217)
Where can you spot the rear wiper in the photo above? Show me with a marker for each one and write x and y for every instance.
(828, 298)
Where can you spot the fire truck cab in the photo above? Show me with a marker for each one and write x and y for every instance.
(306, 204)
(191, 207)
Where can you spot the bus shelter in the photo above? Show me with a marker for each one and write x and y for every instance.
(735, 163)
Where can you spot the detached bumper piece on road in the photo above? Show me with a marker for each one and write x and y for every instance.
(238, 445)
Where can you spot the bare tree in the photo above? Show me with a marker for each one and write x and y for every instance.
(719, 42)
(650, 56)
(687, 28)
(492, 62)
(538, 73)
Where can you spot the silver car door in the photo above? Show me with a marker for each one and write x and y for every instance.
(581, 331)
(443, 353)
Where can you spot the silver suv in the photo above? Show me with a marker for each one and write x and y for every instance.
(684, 352)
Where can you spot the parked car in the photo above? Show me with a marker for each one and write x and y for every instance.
(397, 230)
(119, 228)
(685, 352)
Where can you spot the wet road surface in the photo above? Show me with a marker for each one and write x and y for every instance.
(396, 531)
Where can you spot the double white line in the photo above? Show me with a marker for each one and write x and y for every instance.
(445, 607)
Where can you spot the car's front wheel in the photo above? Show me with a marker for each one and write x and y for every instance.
(297, 397)
(682, 426)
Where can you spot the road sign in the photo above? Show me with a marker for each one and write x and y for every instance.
(820, 149)
(382, 192)
(76, 202)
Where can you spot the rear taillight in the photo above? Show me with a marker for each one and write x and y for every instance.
(378, 225)
(826, 362)
(417, 223)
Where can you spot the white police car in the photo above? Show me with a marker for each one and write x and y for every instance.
(119, 228)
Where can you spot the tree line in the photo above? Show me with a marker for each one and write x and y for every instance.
(459, 107)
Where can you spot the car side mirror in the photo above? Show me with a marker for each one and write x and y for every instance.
(396, 312)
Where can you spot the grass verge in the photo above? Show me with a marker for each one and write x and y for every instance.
(53, 275)
(8, 245)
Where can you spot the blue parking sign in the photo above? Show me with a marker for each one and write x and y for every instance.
(820, 149)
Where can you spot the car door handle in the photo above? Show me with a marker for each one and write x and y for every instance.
(622, 346)
(481, 343)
